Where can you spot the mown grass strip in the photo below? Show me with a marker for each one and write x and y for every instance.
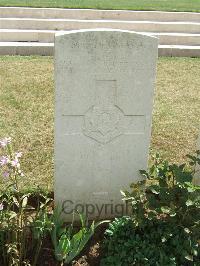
(163, 5)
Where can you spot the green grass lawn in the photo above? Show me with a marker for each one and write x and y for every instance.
(166, 5)
(27, 104)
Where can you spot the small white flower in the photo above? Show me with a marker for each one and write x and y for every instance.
(1, 206)
(18, 154)
(4, 142)
(20, 173)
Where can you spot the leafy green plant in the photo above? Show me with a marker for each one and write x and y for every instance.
(22, 227)
(158, 244)
(164, 227)
(167, 193)
(67, 242)
(40, 228)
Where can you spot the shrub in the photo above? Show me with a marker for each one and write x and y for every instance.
(164, 227)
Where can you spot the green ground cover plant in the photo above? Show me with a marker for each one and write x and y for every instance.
(163, 227)
(170, 5)
(27, 111)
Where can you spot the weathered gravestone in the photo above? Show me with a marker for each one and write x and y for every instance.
(104, 96)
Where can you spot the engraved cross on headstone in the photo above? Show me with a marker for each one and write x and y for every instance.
(105, 120)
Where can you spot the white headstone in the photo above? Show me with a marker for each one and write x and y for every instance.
(104, 97)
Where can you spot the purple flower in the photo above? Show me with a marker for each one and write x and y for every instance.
(6, 174)
(1, 206)
(3, 160)
(4, 142)
(15, 163)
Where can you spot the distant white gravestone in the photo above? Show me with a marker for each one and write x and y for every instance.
(104, 97)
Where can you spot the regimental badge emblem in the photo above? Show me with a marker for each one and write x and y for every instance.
(103, 123)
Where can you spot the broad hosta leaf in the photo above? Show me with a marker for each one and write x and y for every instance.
(189, 257)
(62, 248)
(24, 202)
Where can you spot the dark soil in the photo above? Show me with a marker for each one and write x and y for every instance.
(93, 252)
